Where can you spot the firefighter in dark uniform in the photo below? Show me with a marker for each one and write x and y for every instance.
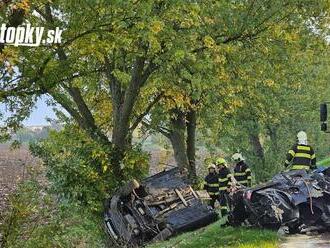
(224, 184)
(211, 185)
(242, 172)
(301, 156)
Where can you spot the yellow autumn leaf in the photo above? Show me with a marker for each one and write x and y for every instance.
(156, 26)
(209, 42)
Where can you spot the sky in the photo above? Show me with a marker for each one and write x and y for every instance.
(39, 113)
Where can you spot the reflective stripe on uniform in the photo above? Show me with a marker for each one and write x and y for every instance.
(287, 162)
(249, 178)
(300, 167)
(302, 155)
(213, 193)
(247, 170)
(313, 156)
(292, 153)
(224, 207)
(239, 174)
(223, 179)
(213, 184)
(223, 188)
(305, 148)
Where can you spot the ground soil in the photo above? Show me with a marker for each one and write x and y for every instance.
(13, 168)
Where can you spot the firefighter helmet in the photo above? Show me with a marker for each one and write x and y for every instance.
(221, 161)
(237, 157)
(302, 138)
(211, 166)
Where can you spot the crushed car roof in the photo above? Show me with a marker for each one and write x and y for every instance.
(297, 200)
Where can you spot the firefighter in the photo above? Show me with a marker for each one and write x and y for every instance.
(211, 185)
(224, 184)
(301, 156)
(242, 172)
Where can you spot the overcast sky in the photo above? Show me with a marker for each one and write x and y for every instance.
(39, 114)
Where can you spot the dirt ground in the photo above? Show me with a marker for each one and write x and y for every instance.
(13, 168)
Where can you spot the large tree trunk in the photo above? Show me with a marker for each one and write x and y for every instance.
(123, 102)
(77, 107)
(177, 138)
(191, 142)
(120, 143)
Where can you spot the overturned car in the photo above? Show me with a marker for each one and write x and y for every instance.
(159, 207)
(296, 200)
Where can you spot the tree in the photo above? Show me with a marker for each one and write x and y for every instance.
(233, 58)
(116, 55)
(285, 101)
(108, 57)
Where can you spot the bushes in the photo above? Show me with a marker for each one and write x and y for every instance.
(79, 170)
(34, 219)
(66, 211)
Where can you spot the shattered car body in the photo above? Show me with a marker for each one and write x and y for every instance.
(297, 200)
(159, 207)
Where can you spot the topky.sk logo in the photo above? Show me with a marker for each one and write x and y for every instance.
(29, 36)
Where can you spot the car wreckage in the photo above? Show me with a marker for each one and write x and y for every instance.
(155, 209)
(296, 200)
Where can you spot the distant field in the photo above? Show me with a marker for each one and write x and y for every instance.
(13, 168)
(13, 163)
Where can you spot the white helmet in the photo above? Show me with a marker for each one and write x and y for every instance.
(211, 166)
(237, 157)
(302, 138)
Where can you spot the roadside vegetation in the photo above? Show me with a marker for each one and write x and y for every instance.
(36, 219)
(324, 162)
(214, 236)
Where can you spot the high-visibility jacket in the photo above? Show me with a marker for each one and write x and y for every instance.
(224, 179)
(242, 174)
(211, 184)
(302, 157)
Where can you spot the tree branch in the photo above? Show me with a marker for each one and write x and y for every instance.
(83, 116)
(163, 130)
(147, 110)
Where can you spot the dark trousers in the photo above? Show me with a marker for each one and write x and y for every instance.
(214, 198)
(223, 202)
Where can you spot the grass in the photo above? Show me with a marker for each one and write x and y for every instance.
(34, 219)
(325, 162)
(214, 236)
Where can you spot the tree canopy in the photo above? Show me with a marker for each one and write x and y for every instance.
(224, 69)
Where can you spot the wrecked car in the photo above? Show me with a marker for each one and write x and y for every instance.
(155, 209)
(296, 200)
